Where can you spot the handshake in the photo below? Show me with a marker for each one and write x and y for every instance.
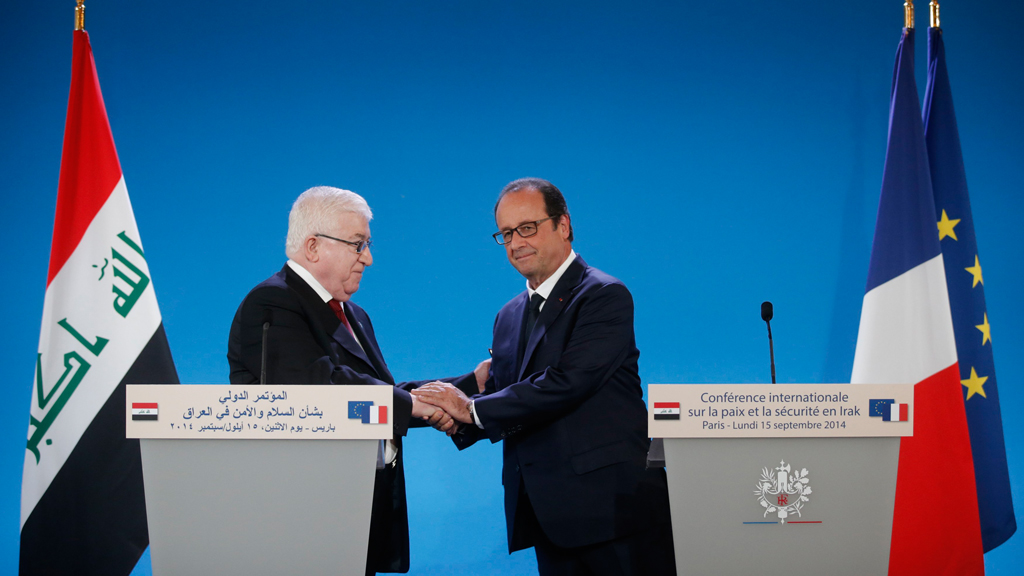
(444, 406)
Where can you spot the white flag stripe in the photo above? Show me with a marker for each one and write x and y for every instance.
(78, 295)
(906, 329)
(894, 412)
(374, 414)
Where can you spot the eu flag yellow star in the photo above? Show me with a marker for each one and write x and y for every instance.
(974, 384)
(986, 331)
(946, 226)
(976, 272)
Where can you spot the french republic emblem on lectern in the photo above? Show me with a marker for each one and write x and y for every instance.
(783, 491)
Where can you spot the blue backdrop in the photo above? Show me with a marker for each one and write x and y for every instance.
(714, 155)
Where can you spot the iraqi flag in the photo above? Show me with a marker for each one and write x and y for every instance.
(906, 336)
(82, 501)
(966, 287)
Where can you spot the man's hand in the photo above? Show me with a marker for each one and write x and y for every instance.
(439, 419)
(446, 397)
(482, 373)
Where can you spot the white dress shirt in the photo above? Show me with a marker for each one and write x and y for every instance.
(544, 290)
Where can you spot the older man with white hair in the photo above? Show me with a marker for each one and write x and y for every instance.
(317, 335)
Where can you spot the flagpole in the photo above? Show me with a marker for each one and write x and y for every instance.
(80, 16)
(934, 5)
(908, 14)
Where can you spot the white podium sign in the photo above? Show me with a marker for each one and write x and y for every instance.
(259, 412)
(780, 410)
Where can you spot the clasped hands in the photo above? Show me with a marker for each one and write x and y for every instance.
(444, 406)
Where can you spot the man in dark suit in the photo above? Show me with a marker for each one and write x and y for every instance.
(318, 335)
(564, 394)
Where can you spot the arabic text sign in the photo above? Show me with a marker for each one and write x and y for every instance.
(780, 410)
(257, 411)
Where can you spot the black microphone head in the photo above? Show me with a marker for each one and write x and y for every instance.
(766, 311)
(267, 315)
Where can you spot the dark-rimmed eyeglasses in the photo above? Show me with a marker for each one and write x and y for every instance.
(359, 246)
(524, 230)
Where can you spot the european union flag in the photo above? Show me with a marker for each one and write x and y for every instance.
(879, 407)
(357, 409)
(966, 288)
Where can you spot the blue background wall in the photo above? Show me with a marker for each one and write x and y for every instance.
(714, 155)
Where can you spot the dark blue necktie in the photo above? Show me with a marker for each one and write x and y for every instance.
(531, 318)
(532, 312)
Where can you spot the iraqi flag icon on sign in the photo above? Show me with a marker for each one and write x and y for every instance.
(144, 410)
(666, 410)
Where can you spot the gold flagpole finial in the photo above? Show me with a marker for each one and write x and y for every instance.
(934, 5)
(80, 15)
(908, 14)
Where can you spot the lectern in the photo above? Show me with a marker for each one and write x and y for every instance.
(781, 479)
(258, 479)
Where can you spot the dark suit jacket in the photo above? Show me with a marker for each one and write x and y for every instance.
(572, 416)
(308, 344)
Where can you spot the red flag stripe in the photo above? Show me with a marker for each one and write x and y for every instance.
(89, 168)
(934, 489)
(666, 404)
(143, 405)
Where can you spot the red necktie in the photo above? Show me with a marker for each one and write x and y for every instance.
(340, 313)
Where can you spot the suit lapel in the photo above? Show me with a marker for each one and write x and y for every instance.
(361, 325)
(342, 336)
(565, 289)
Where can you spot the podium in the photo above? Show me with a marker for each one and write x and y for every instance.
(258, 479)
(784, 479)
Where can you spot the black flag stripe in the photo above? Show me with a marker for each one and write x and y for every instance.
(92, 518)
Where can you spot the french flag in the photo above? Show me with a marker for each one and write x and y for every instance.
(897, 413)
(906, 336)
(375, 415)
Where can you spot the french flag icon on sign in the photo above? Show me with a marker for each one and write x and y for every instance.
(375, 415)
(144, 410)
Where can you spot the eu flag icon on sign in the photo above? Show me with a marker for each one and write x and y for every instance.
(876, 407)
(358, 408)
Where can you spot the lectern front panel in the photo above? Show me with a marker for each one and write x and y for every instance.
(783, 506)
(250, 507)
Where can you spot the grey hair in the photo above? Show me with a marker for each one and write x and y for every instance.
(314, 212)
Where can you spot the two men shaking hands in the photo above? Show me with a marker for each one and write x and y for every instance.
(561, 390)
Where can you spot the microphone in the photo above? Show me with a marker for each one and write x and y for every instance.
(263, 360)
(766, 314)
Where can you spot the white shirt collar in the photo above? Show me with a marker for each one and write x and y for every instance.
(548, 285)
(307, 276)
